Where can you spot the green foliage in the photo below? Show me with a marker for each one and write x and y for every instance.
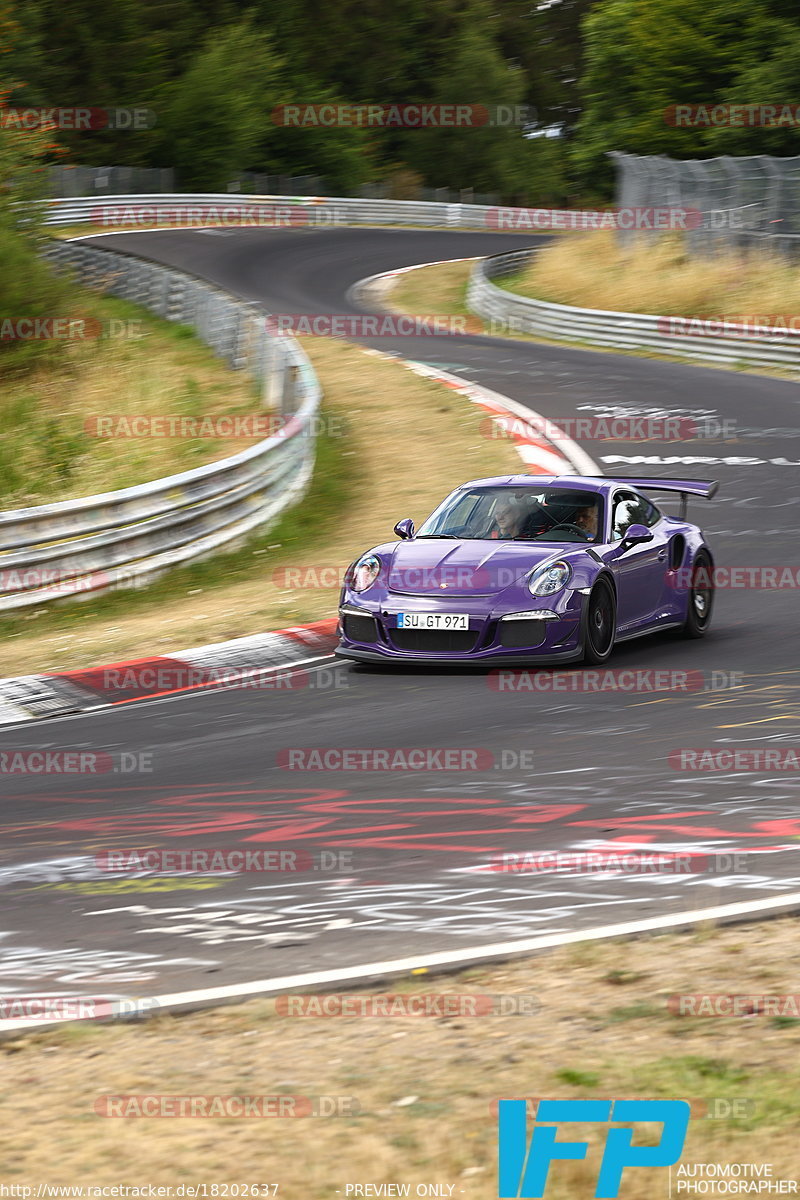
(213, 73)
(603, 72)
(582, 1079)
(217, 110)
(472, 70)
(28, 289)
(36, 445)
(643, 56)
(28, 292)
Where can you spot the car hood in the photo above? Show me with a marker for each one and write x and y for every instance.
(470, 568)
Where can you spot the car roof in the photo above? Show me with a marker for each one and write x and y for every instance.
(577, 482)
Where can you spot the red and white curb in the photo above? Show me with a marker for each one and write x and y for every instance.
(243, 661)
(521, 423)
(249, 661)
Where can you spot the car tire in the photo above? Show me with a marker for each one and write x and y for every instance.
(600, 628)
(700, 601)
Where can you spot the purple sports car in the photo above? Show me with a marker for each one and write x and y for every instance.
(531, 569)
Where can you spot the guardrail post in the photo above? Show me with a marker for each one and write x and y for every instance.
(64, 551)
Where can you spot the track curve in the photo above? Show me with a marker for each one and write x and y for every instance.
(420, 842)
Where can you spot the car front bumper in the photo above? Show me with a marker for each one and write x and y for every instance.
(369, 633)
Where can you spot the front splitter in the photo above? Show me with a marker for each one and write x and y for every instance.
(497, 660)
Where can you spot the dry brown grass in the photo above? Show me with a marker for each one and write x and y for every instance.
(158, 371)
(602, 1030)
(408, 442)
(437, 289)
(571, 278)
(657, 275)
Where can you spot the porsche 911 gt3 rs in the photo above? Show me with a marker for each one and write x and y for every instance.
(531, 569)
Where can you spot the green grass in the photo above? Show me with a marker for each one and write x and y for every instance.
(151, 367)
(328, 493)
(581, 1079)
(632, 1012)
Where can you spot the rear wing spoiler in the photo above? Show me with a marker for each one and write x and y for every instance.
(706, 489)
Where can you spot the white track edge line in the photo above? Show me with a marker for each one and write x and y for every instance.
(455, 959)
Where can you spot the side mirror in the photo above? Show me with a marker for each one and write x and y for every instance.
(405, 528)
(637, 534)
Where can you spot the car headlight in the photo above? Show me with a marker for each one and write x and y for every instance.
(550, 579)
(364, 573)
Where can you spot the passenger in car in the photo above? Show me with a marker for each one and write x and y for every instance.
(586, 519)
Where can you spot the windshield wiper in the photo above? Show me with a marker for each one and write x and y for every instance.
(453, 537)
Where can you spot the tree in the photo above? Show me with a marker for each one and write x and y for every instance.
(772, 80)
(643, 57)
(359, 49)
(90, 54)
(28, 289)
(545, 40)
(218, 110)
(469, 69)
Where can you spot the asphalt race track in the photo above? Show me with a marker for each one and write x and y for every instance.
(407, 856)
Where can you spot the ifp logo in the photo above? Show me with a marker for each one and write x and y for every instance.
(523, 1169)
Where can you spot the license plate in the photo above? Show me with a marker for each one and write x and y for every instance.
(439, 620)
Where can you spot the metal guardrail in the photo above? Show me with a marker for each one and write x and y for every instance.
(122, 538)
(117, 212)
(128, 537)
(184, 209)
(617, 330)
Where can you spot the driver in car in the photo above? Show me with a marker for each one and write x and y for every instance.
(507, 520)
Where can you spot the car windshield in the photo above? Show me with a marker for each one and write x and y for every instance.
(517, 514)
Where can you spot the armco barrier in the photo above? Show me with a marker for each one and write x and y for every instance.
(617, 330)
(594, 327)
(115, 540)
(121, 539)
(115, 212)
